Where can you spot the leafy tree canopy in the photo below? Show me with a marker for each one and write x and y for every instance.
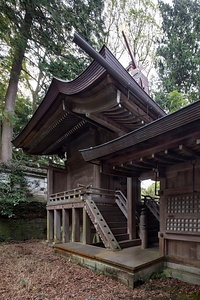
(37, 33)
(179, 50)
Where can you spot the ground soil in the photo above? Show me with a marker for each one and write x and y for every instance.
(31, 270)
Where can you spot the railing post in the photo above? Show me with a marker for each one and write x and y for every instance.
(75, 225)
(65, 225)
(143, 229)
(57, 225)
(86, 228)
(50, 225)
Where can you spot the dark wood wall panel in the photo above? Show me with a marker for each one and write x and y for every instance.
(81, 174)
(59, 181)
(114, 183)
(183, 249)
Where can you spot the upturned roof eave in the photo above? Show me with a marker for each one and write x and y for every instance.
(157, 128)
(83, 82)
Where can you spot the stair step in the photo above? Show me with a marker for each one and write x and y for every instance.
(117, 220)
(117, 224)
(106, 208)
(122, 230)
(122, 237)
(130, 243)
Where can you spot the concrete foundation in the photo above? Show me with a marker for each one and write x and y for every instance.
(129, 266)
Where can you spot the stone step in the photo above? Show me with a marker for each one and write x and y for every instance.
(130, 243)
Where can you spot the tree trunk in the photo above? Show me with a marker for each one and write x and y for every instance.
(10, 98)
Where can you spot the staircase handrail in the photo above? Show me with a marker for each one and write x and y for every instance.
(153, 205)
(101, 225)
(121, 201)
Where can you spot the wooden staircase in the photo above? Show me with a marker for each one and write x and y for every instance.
(117, 223)
(110, 221)
(151, 206)
(94, 215)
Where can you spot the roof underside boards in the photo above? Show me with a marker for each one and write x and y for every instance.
(94, 98)
(168, 141)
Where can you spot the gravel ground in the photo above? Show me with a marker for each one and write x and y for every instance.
(31, 270)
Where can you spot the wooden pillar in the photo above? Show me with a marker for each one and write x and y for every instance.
(143, 229)
(57, 225)
(65, 225)
(50, 225)
(49, 182)
(97, 177)
(86, 228)
(162, 241)
(75, 225)
(133, 196)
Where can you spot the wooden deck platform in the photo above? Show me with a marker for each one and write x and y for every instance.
(129, 266)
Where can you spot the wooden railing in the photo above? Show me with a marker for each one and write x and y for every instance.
(101, 195)
(101, 225)
(80, 194)
(121, 201)
(153, 205)
(67, 196)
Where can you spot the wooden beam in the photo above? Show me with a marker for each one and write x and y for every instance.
(181, 167)
(187, 151)
(57, 225)
(139, 165)
(50, 225)
(133, 188)
(161, 159)
(65, 225)
(173, 156)
(117, 171)
(107, 122)
(134, 109)
(86, 228)
(75, 225)
(147, 162)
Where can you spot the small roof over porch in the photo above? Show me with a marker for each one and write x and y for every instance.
(168, 141)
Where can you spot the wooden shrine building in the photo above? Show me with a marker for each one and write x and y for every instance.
(113, 135)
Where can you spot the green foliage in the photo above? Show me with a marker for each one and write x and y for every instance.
(179, 50)
(23, 112)
(36, 37)
(150, 190)
(158, 275)
(13, 188)
(172, 101)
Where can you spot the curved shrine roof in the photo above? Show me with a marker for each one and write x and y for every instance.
(170, 140)
(95, 97)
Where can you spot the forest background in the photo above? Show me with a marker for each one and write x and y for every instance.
(36, 44)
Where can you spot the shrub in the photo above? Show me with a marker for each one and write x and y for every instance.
(13, 188)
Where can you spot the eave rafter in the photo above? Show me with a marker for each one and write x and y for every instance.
(135, 164)
(65, 136)
(107, 122)
(134, 109)
(188, 152)
(48, 129)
